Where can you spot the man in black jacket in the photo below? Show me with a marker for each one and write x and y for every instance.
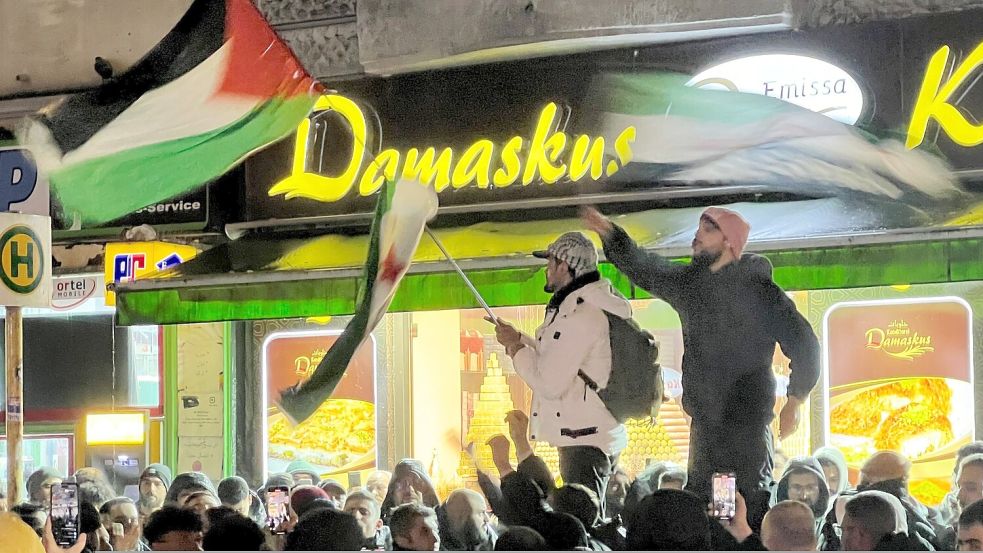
(732, 315)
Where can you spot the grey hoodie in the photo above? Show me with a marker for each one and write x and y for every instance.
(835, 456)
(731, 321)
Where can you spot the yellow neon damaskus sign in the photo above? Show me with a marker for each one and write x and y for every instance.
(549, 155)
(934, 101)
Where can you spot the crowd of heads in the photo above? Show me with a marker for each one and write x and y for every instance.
(814, 504)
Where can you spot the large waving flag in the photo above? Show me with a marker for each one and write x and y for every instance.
(403, 210)
(219, 86)
(692, 135)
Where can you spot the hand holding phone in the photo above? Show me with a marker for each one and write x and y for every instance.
(65, 521)
(724, 495)
(277, 511)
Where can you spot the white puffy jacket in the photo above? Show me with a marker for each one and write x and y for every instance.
(565, 412)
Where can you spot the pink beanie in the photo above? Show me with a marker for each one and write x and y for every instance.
(734, 228)
(302, 496)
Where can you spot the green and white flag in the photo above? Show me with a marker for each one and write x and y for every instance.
(692, 135)
(401, 214)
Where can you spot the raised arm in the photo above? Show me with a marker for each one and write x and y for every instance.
(649, 271)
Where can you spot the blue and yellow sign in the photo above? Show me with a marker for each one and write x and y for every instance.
(129, 261)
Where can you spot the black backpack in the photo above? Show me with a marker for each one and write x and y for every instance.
(635, 387)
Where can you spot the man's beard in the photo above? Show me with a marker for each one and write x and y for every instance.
(470, 534)
(705, 259)
(150, 502)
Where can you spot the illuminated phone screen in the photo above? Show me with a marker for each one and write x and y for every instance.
(65, 513)
(724, 495)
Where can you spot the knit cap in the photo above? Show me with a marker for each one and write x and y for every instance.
(574, 248)
(158, 471)
(734, 228)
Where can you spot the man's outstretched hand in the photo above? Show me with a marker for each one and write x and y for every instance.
(501, 451)
(595, 221)
(507, 335)
(51, 546)
(519, 432)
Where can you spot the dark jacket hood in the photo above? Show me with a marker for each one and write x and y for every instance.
(811, 465)
(403, 469)
(38, 477)
(186, 481)
(755, 266)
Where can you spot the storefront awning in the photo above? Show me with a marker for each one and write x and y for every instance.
(812, 244)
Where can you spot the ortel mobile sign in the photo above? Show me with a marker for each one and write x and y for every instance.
(548, 155)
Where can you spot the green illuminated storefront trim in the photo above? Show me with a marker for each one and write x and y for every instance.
(170, 445)
(823, 268)
(228, 408)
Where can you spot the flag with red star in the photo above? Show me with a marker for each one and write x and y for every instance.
(403, 210)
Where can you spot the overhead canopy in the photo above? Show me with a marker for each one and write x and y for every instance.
(812, 244)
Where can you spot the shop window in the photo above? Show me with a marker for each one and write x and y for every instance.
(78, 362)
(49, 450)
(143, 366)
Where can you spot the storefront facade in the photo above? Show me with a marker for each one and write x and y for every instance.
(79, 366)
(832, 247)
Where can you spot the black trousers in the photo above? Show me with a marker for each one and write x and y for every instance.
(589, 466)
(740, 447)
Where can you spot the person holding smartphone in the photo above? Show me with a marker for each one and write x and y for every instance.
(732, 314)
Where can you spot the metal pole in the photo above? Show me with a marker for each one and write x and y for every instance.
(14, 353)
(467, 281)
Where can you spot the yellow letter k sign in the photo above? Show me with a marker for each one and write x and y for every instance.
(934, 97)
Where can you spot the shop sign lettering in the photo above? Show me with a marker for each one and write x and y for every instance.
(807, 82)
(899, 341)
(938, 100)
(304, 365)
(549, 155)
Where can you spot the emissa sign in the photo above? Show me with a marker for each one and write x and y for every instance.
(808, 82)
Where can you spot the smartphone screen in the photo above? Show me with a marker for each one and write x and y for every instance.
(65, 513)
(277, 508)
(724, 495)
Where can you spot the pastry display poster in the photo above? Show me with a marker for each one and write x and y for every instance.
(899, 377)
(340, 437)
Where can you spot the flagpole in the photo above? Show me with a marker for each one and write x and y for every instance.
(457, 267)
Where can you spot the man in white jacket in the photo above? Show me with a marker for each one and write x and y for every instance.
(574, 337)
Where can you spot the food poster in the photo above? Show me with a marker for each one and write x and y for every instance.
(341, 435)
(900, 377)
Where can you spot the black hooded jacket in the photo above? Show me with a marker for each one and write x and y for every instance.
(731, 322)
(812, 466)
(405, 469)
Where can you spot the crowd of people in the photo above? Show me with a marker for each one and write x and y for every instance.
(814, 504)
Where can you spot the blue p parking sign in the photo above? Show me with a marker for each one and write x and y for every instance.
(18, 177)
